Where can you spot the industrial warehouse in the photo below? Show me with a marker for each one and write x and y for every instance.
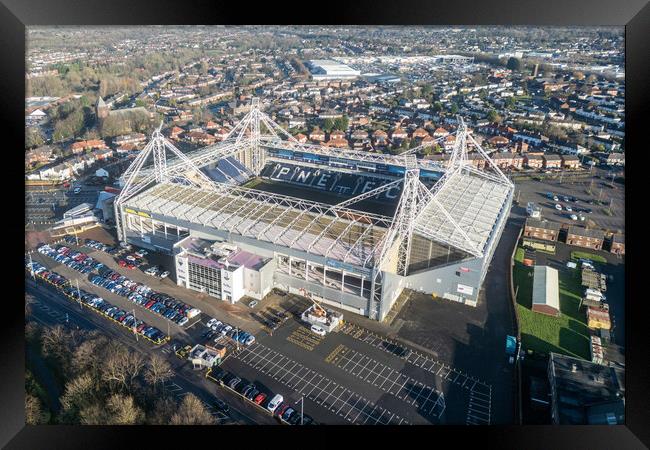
(347, 228)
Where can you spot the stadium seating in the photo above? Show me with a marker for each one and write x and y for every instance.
(340, 183)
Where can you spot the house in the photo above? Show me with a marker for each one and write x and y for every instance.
(38, 155)
(449, 142)
(618, 244)
(582, 237)
(398, 134)
(80, 146)
(301, 138)
(570, 162)
(337, 143)
(533, 161)
(101, 173)
(317, 135)
(336, 134)
(428, 141)
(585, 393)
(552, 161)
(380, 137)
(615, 159)
(420, 133)
(175, 132)
(530, 138)
(503, 160)
(36, 117)
(541, 229)
(498, 141)
(199, 137)
(132, 138)
(546, 295)
(439, 133)
(102, 154)
(221, 134)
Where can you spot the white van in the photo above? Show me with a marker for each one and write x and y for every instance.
(275, 402)
(318, 330)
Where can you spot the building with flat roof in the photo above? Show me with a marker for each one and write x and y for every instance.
(221, 270)
(546, 297)
(585, 393)
(327, 69)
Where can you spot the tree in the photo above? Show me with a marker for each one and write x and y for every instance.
(510, 102)
(34, 414)
(33, 137)
(122, 410)
(328, 125)
(341, 123)
(514, 64)
(79, 395)
(163, 410)
(192, 412)
(454, 108)
(492, 116)
(158, 370)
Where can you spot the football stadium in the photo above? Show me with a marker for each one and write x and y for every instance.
(350, 229)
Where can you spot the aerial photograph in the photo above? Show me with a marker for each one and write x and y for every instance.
(324, 225)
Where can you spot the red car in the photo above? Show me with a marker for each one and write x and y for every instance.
(149, 304)
(260, 398)
(281, 409)
(141, 327)
(115, 276)
(130, 266)
(122, 263)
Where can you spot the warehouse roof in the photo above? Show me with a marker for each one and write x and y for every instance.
(546, 287)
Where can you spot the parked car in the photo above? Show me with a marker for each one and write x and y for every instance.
(260, 398)
(275, 402)
(318, 330)
(165, 274)
(558, 207)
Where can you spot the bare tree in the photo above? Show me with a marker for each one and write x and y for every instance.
(158, 370)
(34, 414)
(192, 412)
(163, 410)
(122, 410)
(80, 393)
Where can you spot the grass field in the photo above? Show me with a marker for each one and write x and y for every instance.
(585, 255)
(316, 195)
(567, 333)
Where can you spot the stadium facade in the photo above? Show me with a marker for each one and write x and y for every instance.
(351, 229)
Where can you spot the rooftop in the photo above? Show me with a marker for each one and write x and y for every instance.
(587, 393)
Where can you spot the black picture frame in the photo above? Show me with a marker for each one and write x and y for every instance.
(15, 15)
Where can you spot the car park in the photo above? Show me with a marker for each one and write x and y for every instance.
(221, 405)
(232, 384)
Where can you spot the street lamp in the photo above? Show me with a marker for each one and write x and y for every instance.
(302, 401)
